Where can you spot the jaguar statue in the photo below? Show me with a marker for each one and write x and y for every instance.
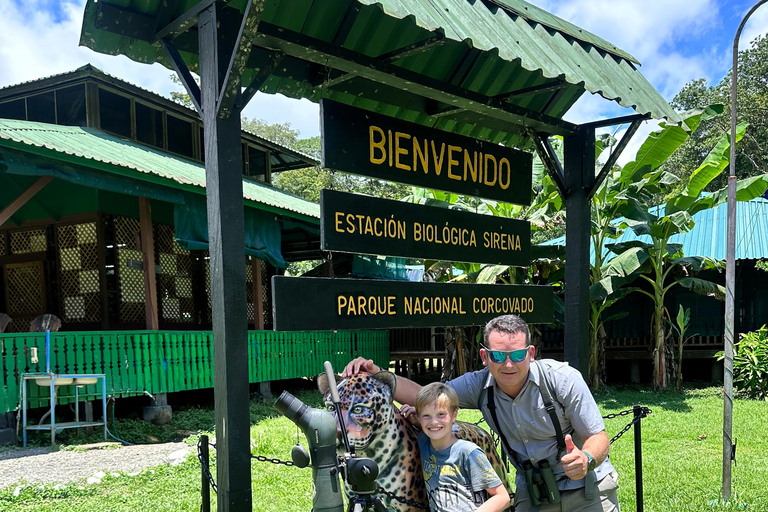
(378, 431)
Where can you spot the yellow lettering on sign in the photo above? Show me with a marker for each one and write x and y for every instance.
(374, 145)
(491, 159)
(399, 150)
(438, 162)
(452, 161)
(422, 155)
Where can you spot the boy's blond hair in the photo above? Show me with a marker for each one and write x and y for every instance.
(439, 394)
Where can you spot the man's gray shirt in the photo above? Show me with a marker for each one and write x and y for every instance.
(527, 425)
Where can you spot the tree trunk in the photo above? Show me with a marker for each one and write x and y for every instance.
(659, 356)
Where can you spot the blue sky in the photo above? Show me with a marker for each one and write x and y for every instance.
(675, 40)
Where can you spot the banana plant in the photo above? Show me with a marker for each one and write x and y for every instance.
(682, 322)
(660, 263)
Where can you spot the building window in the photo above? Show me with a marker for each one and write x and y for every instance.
(257, 164)
(149, 125)
(115, 113)
(41, 108)
(13, 110)
(180, 136)
(70, 106)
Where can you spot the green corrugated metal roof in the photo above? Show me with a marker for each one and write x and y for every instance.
(282, 157)
(93, 148)
(708, 236)
(491, 48)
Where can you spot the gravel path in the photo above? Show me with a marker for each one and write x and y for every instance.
(41, 465)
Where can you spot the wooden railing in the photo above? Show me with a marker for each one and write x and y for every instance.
(168, 361)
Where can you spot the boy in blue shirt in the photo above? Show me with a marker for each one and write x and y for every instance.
(457, 473)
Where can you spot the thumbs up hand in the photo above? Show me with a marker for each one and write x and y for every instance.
(574, 461)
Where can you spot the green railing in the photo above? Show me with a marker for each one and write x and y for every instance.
(168, 361)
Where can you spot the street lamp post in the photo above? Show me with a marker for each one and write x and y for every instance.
(730, 274)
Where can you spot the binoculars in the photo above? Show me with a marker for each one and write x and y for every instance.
(540, 482)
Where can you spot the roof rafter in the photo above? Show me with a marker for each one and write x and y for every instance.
(313, 50)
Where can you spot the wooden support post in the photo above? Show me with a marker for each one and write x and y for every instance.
(258, 295)
(101, 246)
(148, 250)
(579, 160)
(224, 191)
(22, 199)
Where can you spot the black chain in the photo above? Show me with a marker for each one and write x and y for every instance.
(207, 471)
(261, 458)
(644, 411)
(405, 501)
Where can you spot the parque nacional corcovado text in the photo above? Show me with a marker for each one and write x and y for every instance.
(371, 305)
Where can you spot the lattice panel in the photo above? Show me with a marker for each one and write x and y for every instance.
(174, 282)
(130, 277)
(2, 244)
(266, 294)
(24, 242)
(249, 288)
(79, 273)
(24, 294)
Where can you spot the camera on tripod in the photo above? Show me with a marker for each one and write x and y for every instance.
(319, 426)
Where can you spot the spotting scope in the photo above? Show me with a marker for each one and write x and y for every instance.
(320, 428)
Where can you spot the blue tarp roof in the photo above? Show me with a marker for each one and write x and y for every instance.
(708, 236)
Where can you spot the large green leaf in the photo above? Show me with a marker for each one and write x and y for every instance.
(697, 263)
(626, 263)
(621, 247)
(714, 163)
(660, 145)
(490, 273)
(703, 287)
(746, 190)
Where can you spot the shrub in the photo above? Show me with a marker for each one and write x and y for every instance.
(750, 364)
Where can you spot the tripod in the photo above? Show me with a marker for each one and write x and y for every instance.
(361, 477)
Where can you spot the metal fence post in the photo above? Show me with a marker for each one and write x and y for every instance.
(638, 458)
(205, 489)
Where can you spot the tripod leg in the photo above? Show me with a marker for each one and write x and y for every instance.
(378, 505)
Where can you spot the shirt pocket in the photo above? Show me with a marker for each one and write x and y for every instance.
(540, 424)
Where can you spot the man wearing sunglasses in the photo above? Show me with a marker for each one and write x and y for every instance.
(523, 422)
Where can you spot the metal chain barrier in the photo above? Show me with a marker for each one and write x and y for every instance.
(406, 501)
(204, 463)
(261, 458)
(643, 412)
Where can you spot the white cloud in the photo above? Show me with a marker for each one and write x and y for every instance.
(28, 52)
(667, 36)
(36, 42)
(646, 128)
(756, 25)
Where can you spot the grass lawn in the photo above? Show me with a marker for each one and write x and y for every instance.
(682, 460)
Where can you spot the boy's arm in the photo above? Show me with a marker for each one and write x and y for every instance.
(498, 500)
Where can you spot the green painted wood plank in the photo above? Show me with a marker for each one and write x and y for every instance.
(156, 364)
(191, 373)
(160, 348)
(131, 363)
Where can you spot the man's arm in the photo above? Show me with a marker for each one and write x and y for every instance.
(575, 461)
(406, 390)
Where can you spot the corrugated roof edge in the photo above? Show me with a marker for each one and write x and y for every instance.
(534, 13)
(93, 69)
(30, 125)
(620, 56)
